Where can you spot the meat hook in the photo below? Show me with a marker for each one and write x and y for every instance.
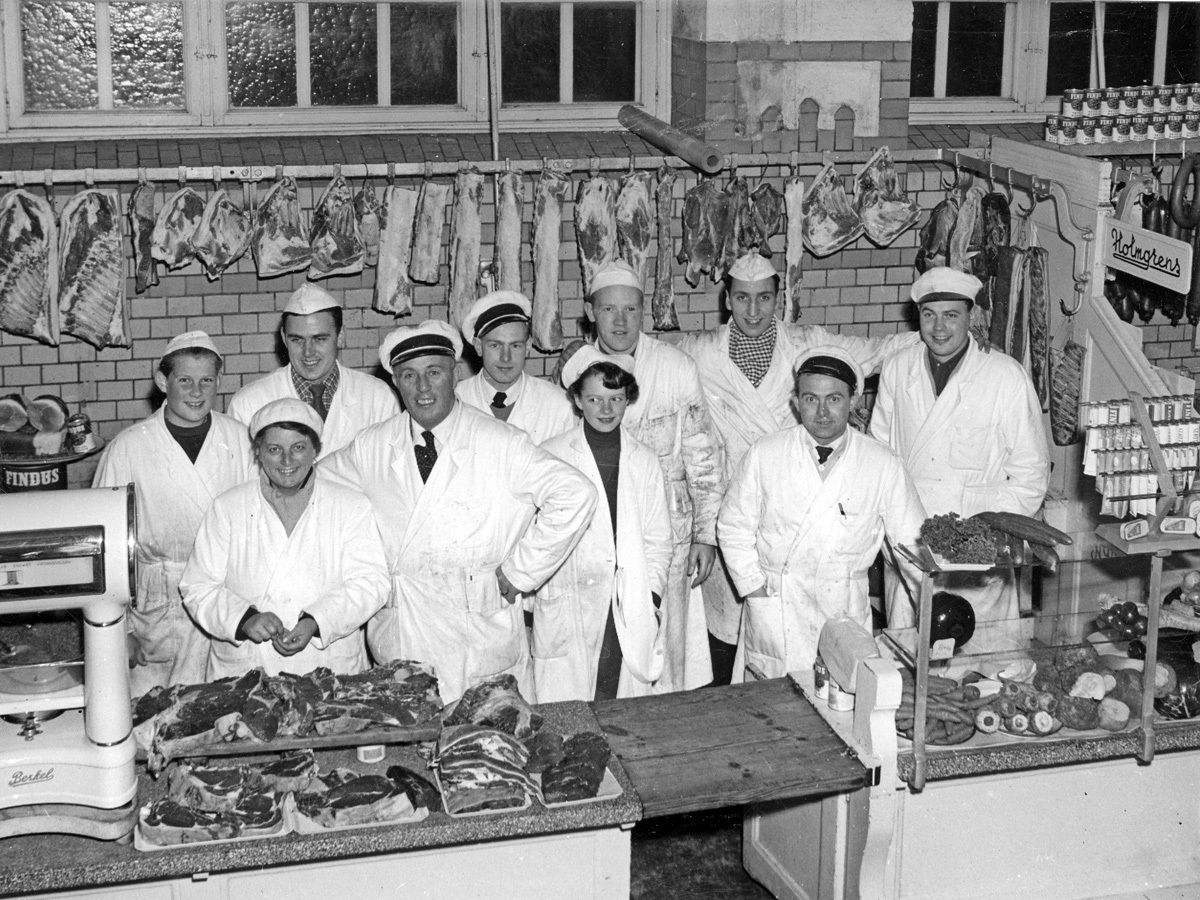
(733, 165)
(631, 167)
(279, 173)
(89, 177)
(182, 176)
(796, 162)
(217, 176)
(18, 179)
(594, 167)
(49, 177)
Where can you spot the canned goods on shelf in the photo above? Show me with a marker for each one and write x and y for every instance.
(1052, 126)
(1162, 98)
(1179, 98)
(1104, 129)
(1128, 104)
(1110, 102)
(1072, 103)
(1139, 129)
(1146, 100)
(1086, 133)
(1158, 128)
(1174, 130)
(1092, 102)
(1193, 103)
(1121, 129)
(1191, 125)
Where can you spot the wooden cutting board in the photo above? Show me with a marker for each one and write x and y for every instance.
(727, 746)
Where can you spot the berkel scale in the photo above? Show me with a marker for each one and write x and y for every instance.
(66, 732)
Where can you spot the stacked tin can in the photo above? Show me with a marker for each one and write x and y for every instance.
(1117, 115)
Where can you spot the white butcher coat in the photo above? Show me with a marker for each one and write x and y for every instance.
(173, 494)
(810, 542)
(331, 566)
(571, 609)
(444, 540)
(744, 413)
(359, 401)
(980, 446)
(542, 410)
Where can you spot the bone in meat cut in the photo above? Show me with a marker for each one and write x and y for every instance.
(28, 267)
(635, 221)
(222, 236)
(366, 208)
(280, 240)
(662, 306)
(335, 238)
(510, 205)
(91, 269)
(393, 288)
(766, 218)
(830, 223)
(737, 224)
(705, 209)
(423, 264)
(177, 221)
(552, 191)
(793, 195)
(141, 228)
(884, 208)
(933, 249)
(466, 232)
(595, 226)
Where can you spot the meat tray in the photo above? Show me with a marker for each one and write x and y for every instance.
(302, 824)
(483, 812)
(140, 843)
(609, 789)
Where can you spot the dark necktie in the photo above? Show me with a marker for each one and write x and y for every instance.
(498, 400)
(426, 456)
(317, 392)
(823, 454)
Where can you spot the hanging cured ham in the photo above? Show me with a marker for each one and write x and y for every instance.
(141, 228)
(552, 191)
(880, 202)
(766, 215)
(28, 267)
(662, 306)
(595, 226)
(222, 236)
(1037, 260)
(510, 204)
(705, 210)
(635, 221)
(393, 287)
(171, 241)
(335, 238)
(793, 196)
(280, 240)
(466, 233)
(366, 208)
(424, 263)
(91, 270)
(830, 222)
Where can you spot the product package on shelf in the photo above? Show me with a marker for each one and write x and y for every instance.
(1118, 115)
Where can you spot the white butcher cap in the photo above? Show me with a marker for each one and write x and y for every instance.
(617, 273)
(431, 337)
(191, 340)
(944, 283)
(752, 267)
(493, 310)
(587, 356)
(289, 409)
(832, 361)
(308, 299)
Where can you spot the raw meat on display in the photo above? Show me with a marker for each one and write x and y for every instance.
(884, 208)
(393, 287)
(420, 791)
(635, 221)
(481, 769)
(662, 305)
(424, 263)
(793, 195)
(966, 239)
(280, 240)
(141, 229)
(705, 211)
(739, 225)
(466, 234)
(1038, 305)
(343, 798)
(934, 247)
(578, 775)
(595, 227)
(14, 413)
(91, 270)
(366, 208)
(28, 267)
(767, 217)
(997, 227)
(171, 241)
(222, 236)
(830, 223)
(510, 203)
(335, 238)
(496, 702)
(553, 189)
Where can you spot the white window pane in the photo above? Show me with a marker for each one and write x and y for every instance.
(58, 45)
(343, 44)
(424, 39)
(260, 43)
(147, 55)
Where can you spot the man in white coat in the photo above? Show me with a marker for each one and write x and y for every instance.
(498, 326)
(179, 460)
(804, 517)
(968, 426)
(346, 400)
(472, 513)
(746, 369)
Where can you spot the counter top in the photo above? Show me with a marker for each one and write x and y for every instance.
(61, 862)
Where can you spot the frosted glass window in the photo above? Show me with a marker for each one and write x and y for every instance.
(424, 53)
(147, 55)
(58, 43)
(343, 42)
(260, 42)
(605, 42)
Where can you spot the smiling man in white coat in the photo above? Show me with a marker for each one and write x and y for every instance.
(746, 370)
(180, 460)
(804, 517)
(472, 513)
(347, 401)
(968, 426)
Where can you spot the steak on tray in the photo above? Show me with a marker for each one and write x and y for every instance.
(343, 797)
(496, 702)
(578, 776)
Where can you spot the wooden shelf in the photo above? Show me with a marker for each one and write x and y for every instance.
(1155, 542)
(1129, 148)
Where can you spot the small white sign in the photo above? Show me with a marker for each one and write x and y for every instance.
(1147, 255)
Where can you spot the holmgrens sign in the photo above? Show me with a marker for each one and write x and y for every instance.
(1150, 256)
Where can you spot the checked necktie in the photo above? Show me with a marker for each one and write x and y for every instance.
(426, 456)
(822, 454)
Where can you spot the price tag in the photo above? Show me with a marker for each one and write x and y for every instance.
(943, 649)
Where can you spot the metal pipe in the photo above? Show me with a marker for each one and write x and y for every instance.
(665, 137)
(491, 10)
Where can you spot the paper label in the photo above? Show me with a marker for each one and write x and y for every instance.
(943, 649)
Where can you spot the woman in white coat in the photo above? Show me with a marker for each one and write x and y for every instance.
(288, 567)
(595, 622)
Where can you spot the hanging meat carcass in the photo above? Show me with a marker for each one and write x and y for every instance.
(552, 191)
(91, 270)
(466, 233)
(393, 287)
(966, 238)
(280, 240)
(880, 202)
(830, 222)
(28, 267)
(738, 222)
(177, 221)
(933, 249)
(705, 210)
(510, 208)
(366, 209)
(222, 236)
(793, 195)
(595, 226)
(997, 229)
(335, 238)
(424, 263)
(662, 306)
(1006, 297)
(1037, 262)
(141, 228)
(766, 215)
(635, 221)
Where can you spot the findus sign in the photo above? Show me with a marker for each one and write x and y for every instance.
(1152, 257)
(16, 479)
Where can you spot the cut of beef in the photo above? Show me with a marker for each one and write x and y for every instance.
(545, 750)
(335, 238)
(578, 775)
(420, 791)
(223, 235)
(369, 212)
(884, 207)
(141, 228)
(466, 233)
(662, 306)
(510, 204)
(280, 239)
(830, 222)
(91, 273)
(211, 788)
(496, 702)
(424, 264)
(292, 772)
(595, 227)
(344, 798)
(29, 267)
(393, 287)
(171, 241)
(705, 211)
(553, 189)
(635, 221)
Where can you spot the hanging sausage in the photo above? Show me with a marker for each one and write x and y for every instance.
(1037, 261)
(1066, 387)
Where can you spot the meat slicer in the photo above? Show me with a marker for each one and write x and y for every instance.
(66, 742)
